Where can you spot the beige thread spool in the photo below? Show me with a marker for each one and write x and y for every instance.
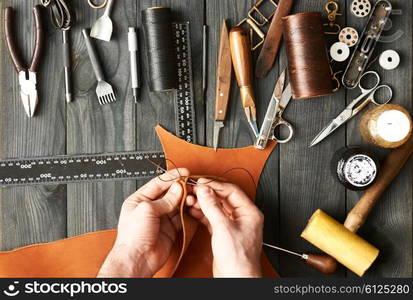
(339, 242)
(386, 126)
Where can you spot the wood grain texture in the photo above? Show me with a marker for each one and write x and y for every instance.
(295, 182)
(305, 180)
(94, 128)
(236, 132)
(389, 225)
(31, 214)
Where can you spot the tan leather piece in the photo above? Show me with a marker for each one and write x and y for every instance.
(82, 256)
(197, 261)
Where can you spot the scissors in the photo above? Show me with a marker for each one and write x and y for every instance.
(93, 5)
(366, 96)
(273, 116)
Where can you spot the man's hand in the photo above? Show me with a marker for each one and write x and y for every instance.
(235, 224)
(148, 223)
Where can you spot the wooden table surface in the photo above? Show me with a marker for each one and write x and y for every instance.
(296, 180)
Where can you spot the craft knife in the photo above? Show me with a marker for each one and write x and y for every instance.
(241, 57)
(223, 82)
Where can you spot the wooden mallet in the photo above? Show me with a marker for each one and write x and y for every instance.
(341, 242)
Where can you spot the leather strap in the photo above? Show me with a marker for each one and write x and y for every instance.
(272, 41)
(191, 255)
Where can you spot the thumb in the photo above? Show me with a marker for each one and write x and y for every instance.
(210, 205)
(170, 201)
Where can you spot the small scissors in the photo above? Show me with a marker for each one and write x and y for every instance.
(273, 116)
(93, 5)
(356, 105)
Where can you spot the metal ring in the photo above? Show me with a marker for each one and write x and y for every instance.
(387, 100)
(93, 5)
(290, 128)
(365, 75)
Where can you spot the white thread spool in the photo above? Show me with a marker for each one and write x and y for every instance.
(386, 126)
(360, 8)
(339, 51)
(389, 60)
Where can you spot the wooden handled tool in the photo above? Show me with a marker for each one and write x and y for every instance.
(223, 83)
(341, 242)
(321, 262)
(273, 39)
(389, 170)
(239, 41)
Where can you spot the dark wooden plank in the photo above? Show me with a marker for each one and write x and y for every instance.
(389, 226)
(158, 108)
(237, 132)
(31, 214)
(306, 183)
(128, 126)
(92, 128)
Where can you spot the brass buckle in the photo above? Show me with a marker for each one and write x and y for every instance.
(256, 29)
(255, 23)
(256, 8)
(331, 7)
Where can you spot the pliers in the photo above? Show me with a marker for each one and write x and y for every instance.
(27, 76)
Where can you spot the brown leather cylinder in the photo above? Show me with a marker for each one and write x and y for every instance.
(308, 66)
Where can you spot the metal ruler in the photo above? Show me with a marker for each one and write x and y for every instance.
(77, 168)
(184, 107)
(113, 166)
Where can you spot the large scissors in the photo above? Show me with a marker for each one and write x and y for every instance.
(273, 116)
(366, 96)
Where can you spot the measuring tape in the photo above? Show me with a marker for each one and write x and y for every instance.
(184, 107)
(113, 166)
(77, 168)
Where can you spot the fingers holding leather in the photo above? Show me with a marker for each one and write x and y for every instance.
(233, 193)
(190, 200)
(199, 215)
(176, 221)
(210, 205)
(170, 201)
(156, 186)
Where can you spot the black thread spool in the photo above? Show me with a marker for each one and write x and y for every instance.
(355, 167)
(160, 49)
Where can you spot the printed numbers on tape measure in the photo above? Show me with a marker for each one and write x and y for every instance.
(25, 166)
(45, 175)
(101, 162)
(120, 171)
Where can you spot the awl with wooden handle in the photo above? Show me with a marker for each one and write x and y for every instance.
(342, 243)
(239, 42)
(321, 262)
(223, 82)
(391, 166)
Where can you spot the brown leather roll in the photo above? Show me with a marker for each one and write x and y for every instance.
(308, 66)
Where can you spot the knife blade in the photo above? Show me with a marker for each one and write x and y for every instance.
(223, 83)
